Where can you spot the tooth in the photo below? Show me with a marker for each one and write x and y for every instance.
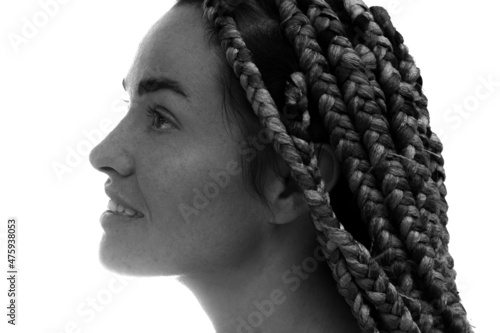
(112, 205)
(129, 212)
(120, 208)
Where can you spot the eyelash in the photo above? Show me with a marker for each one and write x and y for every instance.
(156, 116)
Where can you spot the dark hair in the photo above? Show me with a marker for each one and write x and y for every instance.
(338, 72)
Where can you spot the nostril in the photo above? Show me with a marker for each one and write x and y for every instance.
(106, 169)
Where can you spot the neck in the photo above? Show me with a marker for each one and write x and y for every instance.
(283, 287)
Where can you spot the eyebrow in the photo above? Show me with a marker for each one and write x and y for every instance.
(154, 84)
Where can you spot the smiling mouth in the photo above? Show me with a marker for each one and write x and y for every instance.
(119, 209)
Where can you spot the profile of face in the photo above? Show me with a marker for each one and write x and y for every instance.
(173, 141)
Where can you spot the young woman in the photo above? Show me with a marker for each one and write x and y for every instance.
(299, 180)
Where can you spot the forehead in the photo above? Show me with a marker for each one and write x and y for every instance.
(177, 47)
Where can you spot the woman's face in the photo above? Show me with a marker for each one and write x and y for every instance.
(179, 166)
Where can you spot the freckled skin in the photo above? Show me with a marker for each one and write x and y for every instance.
(158, 171)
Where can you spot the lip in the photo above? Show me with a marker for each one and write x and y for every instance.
(113, 195)
(109, 218)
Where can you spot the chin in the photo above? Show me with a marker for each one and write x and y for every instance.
(118, 258)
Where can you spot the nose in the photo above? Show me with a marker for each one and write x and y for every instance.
(112, 156)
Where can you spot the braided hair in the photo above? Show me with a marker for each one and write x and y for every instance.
(338, 72)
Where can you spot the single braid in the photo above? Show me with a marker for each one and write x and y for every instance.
(295, 114)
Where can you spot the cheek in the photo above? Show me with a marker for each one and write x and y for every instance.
(171, 183)
(211, 199)
(186, 183)
(202, 214)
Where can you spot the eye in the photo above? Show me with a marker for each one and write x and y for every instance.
(158, 121)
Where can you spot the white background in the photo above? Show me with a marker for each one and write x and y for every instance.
(66, 79)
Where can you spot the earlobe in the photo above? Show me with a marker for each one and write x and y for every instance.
(328, 164)
(285, 198)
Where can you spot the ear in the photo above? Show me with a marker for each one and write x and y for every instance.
(284, 195)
